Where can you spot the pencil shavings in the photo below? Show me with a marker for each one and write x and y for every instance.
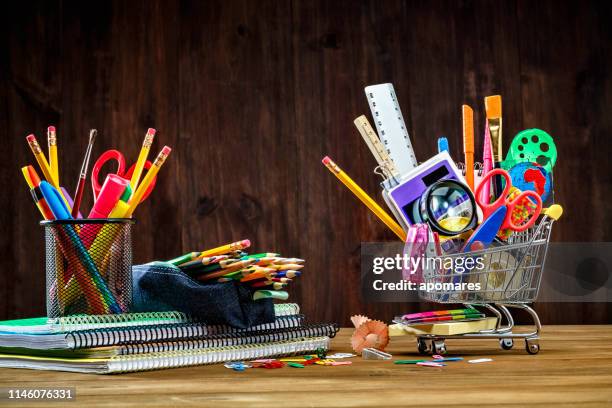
(370, 334)
(358, 320)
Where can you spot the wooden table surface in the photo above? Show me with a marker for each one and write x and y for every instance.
(574, 368)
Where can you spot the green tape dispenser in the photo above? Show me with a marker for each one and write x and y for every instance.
(532, 145)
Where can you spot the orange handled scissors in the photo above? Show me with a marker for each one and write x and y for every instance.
(115, 155)
(510, 204)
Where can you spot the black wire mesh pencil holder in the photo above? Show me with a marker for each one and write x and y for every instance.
(88, 266)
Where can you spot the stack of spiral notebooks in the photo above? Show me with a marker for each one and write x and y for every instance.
(107, 344)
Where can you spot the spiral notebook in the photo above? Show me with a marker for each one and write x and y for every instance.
(42, 325)
(211, 341)
(113, 336)
(169, 359)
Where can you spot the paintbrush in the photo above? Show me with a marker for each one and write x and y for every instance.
(78, 194)
(493, 106)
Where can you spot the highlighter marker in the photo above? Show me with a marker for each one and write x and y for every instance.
(113, 188)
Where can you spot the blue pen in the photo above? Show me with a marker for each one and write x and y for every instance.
(54, 201)
(442, 145)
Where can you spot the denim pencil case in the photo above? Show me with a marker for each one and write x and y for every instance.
(160, 286)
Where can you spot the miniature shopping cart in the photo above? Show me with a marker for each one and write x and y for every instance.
(510, 279)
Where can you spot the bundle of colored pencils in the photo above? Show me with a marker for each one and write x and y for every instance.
(267, 272)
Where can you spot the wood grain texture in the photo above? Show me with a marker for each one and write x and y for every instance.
(251, 95)
(574, 368)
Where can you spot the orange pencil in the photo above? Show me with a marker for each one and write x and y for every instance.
(254, 276)
(33, 182)
(33, 177)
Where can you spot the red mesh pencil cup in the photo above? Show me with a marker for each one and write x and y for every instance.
(88, 266)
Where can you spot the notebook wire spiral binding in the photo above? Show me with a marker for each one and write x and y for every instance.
(210, 356)
(143, 334)
(86, 322)
(225, 340)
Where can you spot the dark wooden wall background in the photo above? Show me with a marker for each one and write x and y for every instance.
(252, 94)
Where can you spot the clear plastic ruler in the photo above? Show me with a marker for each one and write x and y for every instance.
(391, 126)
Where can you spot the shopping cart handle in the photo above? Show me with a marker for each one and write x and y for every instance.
(554, 211)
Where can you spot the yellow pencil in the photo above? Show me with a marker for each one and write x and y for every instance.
(52, 143)
(364, 198)
(44, 166)
(42, 161)
(142, 158)
(142, 188)
(224, 249)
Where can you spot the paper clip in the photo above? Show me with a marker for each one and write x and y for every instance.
(271, 364)
(430, 364)
(448, 359)
(340, 363)
(374, 354)
(237, 366)
(480, 360)
(342, 355)
(311, 361)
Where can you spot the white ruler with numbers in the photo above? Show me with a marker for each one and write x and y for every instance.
(391, 127)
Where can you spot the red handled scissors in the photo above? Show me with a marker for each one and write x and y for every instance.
(512, 205)
(115, 155)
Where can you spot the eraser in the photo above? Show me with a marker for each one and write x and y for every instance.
(166, 150)
(151, 131)
(326, 160)
(51, 128)
(31, 138)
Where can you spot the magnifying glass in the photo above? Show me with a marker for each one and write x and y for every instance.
(448, 206)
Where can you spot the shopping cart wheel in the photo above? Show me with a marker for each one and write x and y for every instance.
(532, 346)
(422, 346)
(438, 347)
(506, 344)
